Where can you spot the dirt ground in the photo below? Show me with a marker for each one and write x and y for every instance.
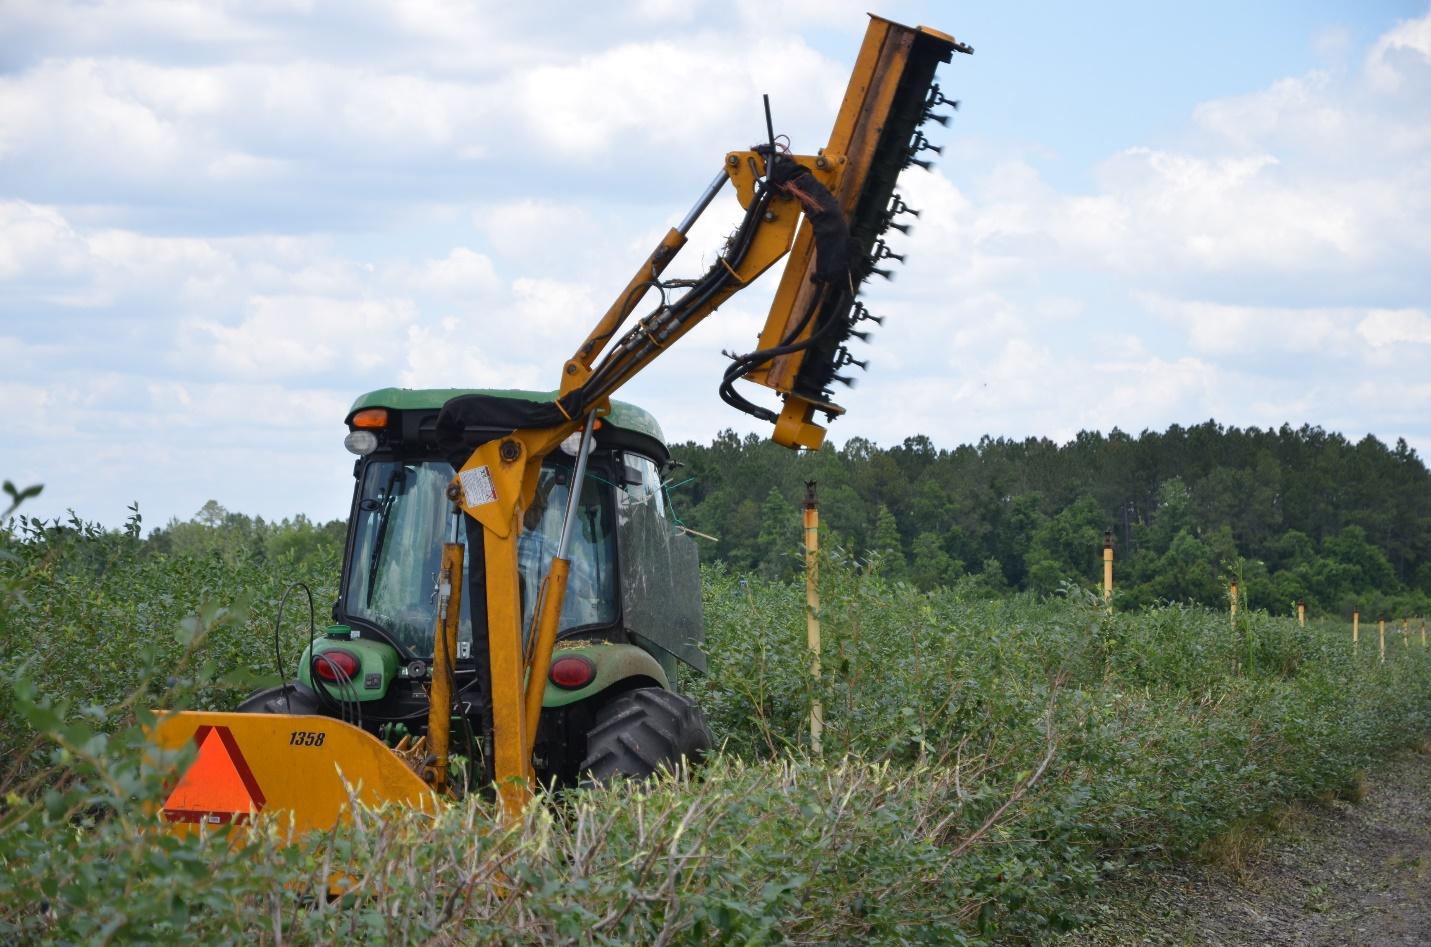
(1336, 875)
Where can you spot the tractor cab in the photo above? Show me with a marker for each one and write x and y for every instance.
(631, 613)
(400, 519)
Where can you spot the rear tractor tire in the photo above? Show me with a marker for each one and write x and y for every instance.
(641, 732)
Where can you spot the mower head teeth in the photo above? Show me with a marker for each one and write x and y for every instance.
(871, 196)
(876, 135)
(859, 314)
(883, 252)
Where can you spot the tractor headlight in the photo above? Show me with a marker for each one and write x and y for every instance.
(573, 443)
(361, 443)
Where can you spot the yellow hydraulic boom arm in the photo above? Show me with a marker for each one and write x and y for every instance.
(827, 211)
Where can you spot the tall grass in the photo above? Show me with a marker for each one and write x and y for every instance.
(986, 762)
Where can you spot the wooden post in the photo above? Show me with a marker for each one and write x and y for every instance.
(812, 610)
(1406, 633)
(1356, 627)
(1232, 602)
(1108, 567)
(1381, 638)
(1301, 613)
(1423, 632)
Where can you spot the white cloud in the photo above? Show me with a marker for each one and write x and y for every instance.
(667, 95)
(462, 274)
(1254, 331)
(678, 11)
(846, 15)
(88, 25)
(1150, 392)
(292, 336)
(1395, 326)
(1317, 182)
(550, 309)
(241, 123)
(79, 109)
(1385, 64)
(534, 229)
(35, 239)
(452, 355)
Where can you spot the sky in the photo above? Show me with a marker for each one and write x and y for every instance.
(222, 221)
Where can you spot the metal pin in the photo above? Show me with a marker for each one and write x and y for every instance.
(860, 314)
(883, 252)
(920, 143)
(898, 206)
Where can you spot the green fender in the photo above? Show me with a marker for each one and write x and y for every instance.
(377, 665)
(614, 663)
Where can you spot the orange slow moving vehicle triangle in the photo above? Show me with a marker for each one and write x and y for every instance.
(219, 787)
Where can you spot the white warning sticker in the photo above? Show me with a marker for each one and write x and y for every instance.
(477, 487)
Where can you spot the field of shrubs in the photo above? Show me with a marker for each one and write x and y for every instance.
(986, 761)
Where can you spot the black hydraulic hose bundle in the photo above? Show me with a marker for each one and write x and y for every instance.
(834, 251)
(278, 623)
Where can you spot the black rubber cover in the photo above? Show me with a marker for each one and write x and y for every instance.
(469, 421)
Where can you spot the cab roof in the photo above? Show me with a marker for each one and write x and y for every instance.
(623, 414)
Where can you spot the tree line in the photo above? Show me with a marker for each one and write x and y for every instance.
(1293, 513)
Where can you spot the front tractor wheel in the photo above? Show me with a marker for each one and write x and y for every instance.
(643, 731)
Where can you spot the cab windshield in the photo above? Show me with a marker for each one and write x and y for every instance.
(402, 520)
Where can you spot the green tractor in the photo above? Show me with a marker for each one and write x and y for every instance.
(630, 619)
(515, 598)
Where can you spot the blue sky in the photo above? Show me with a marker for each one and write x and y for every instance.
(219, 222)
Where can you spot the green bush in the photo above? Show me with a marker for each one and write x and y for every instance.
(986, 761)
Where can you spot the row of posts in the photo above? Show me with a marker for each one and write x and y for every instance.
(812, 607)
(1301, 607)
(1381, 633)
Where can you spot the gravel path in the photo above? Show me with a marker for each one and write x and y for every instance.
(1349, 875)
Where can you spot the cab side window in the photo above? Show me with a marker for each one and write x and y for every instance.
(642, 478)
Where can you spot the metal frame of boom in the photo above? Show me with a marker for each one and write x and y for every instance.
(511, 464)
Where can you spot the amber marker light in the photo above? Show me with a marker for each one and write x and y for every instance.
(370, 418)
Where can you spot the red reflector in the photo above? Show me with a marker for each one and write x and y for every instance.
(339, 667)
(572, 671)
